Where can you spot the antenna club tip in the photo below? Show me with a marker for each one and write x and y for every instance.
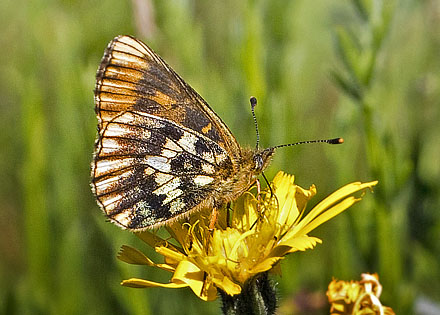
(253, 101)
(336, 141)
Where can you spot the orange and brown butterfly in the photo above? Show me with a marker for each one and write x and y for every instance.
(161, 153)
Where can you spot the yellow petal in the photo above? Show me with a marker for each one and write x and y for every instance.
(339, 194)
(295, 244)
(191, 275)
(330, 213)
(288, 210)
(304, 195)
(292, 199)
(131, 255)
(245, 213)
(303, 229)
(227, 285)
(306, 226)
(186, 271)
(169, 253)
(265, 265)
(141, 283)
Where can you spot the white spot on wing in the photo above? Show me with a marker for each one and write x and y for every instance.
(107, 201)
(109, 145)
(102, 185)
(176, 205)
(123, 218)
(105, 166)
(159, 163)
(162, 178)
(172, 195)
(171, 145)
(125, 118)
(201, 180)
(208, 168)
(168, 153)
(187, 142)
(148, 171)
(170, 190)
(142, 206)
(219, 158)
(165, 189)
(139, 119)
(114, 130)
(120, 130)
(207, 156)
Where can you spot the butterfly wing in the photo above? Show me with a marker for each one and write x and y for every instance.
(161, 150)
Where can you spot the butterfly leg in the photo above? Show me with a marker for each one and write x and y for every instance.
(213, 220)
(205, 275)
(228, 214)
(257, 182)
(258, 195)
(258, 189)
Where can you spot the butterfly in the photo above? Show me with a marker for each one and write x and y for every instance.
(161, 152)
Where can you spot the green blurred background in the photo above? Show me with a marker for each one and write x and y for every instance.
(364, 70)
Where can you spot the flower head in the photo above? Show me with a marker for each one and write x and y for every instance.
(261, 231)
(357, 297)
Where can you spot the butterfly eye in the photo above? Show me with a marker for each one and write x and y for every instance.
(258, 159)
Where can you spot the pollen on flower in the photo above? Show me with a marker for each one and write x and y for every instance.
(260, 232)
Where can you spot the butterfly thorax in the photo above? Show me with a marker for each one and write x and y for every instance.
(253, 163)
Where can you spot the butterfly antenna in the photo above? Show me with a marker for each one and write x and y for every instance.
(253, 104)
(329, 141)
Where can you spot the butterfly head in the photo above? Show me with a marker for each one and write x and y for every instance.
(262, 159)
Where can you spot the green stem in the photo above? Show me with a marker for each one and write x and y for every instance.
(258, 297)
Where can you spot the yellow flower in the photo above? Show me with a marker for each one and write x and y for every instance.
(357, 297)
(261, 231)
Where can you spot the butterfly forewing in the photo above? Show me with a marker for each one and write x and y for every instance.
(161, 151)
(132, 76)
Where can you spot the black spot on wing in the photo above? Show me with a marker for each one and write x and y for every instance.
(202, 147)
(132, 147)
(197, 120)
(172, 131)
(156, 143)
(154, 79)
(147, 208)
(152, 211)
(185, 163)
(162, 212)
(139, 220)
(216, 149)
(129, 200)
(193, 194)
(145, 104)
(137, 178)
